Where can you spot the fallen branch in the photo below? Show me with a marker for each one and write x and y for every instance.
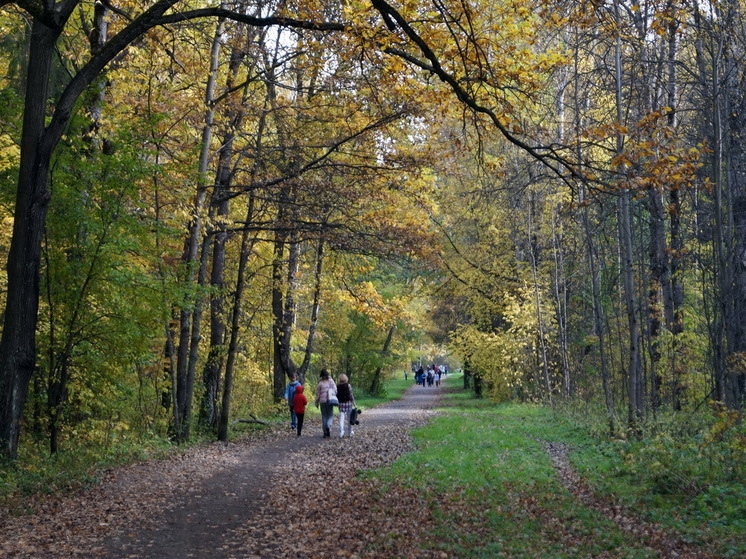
(252, 420)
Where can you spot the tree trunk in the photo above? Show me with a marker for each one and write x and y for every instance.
(279, 368)
(191, 311)
(676, 323)
(247, 246)
(634, 372)
(626, 249)
(375, 385)
(314, 309)
(598, 320)
(18, 342)
(658, 290)
(532, 248)
(561, 298)
(213, 367)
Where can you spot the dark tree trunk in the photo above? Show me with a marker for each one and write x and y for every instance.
(190, 318)
(247, 245)
(281, 352)
(215, 358)
(478, 386)
(659, 300)
(599, 322)
(18, 342)
(375, 385)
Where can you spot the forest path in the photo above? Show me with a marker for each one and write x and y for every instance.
(213, 501)
(206, 521)
(279, 496)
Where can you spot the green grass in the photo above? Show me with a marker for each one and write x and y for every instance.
(487, 486)
(486, 479)
(392, 390)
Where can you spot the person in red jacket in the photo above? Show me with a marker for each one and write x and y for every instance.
(299, 406)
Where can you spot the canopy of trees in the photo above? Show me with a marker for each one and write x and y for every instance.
(201, 199)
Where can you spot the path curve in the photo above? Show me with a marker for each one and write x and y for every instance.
(203, 524)
(211, 501)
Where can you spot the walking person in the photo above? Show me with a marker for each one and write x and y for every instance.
(346, 403)
(289, 394)
(326, 390)
(299, 406)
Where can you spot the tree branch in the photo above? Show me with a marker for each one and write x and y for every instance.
(391, 16)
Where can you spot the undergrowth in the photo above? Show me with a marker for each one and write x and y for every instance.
(686, 471)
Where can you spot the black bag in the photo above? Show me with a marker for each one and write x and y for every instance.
(354, 413)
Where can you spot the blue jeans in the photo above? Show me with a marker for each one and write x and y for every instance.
(293, 418)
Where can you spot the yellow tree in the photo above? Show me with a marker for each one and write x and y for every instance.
(42, 131)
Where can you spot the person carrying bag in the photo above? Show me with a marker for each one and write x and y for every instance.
(326, 393)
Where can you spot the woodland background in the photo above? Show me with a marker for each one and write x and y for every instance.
(199, 200)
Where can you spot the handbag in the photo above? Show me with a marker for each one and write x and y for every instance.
(331, 397)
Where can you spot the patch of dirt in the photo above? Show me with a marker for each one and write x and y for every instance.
(261, 497)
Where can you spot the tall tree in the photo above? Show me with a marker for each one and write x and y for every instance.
(38, 141)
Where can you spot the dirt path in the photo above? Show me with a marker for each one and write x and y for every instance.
(204, 524)
(660, 541)
(276, 497)
(215, 501)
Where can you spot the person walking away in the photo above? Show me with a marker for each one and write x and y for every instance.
(326, 389)
(299, 406)
(289, 393)
(346, 403)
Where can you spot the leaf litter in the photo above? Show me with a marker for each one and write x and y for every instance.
(273, 495)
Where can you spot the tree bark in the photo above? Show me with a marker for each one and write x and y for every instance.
(209, 410)
(247, 246)
(375, 385)
(533, 250)
(18, 342)
(626, 249)
(190, 316)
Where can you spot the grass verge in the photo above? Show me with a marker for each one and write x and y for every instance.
(482, 484)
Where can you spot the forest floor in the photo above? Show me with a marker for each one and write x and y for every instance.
(275, 495)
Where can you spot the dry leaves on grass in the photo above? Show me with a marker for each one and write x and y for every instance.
(651, 535)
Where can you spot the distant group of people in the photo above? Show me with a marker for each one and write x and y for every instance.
(430, 376)
(328, 396)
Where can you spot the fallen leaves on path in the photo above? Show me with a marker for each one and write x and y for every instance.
(321, 508)
(318, 505)
(77, 524)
